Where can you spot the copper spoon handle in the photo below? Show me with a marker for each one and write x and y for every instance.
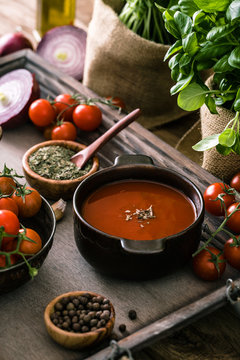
(84, 155)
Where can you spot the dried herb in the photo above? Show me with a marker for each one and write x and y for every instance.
(53, 162)
(140, 214)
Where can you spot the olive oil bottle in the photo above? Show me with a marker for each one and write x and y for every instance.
(52, 13)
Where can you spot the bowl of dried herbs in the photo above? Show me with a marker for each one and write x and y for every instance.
(48, 168)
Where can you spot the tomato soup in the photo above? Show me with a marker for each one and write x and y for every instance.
(138, 210)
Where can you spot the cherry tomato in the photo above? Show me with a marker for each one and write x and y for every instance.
(232, 253)
(234, 221)
(204, 264)
(10, 224)
(13, 260)
(27, 246)
(64, 105)
(213, 206)
(235, 182)
(7, 203)
(7, 185)
(117, 101)
(87, 117)
(64, 131)
(47, 132)
(41, 112)
(30, 204)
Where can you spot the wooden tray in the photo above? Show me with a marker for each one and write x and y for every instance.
(163, 305)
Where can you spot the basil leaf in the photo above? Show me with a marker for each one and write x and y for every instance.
(220, 31)
(206, 143)
(236, 146)
(183, 22)
(188, 7)
(175, 73)
(182, 83)
(213, 50)
(223, 150)
(227, 138)
(233, 11)
(234, 58)
(237, 105)
(222, 65)
(210, 103)
(174, 61)
(170, 24)
(190, 44)
(192, 97)
(173, 49)
(212, 5)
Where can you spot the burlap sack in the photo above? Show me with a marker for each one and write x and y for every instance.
(121, 63)
(221, 166)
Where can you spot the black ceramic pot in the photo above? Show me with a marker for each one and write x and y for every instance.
(131, 258)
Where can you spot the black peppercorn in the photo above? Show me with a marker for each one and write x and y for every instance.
(132, 314)
(81, 313)
(122, 328)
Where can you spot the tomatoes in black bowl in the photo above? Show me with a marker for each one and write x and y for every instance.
(43, 223)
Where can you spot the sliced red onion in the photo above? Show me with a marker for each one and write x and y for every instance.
(12, 42)
(18, 89)
(65, 47)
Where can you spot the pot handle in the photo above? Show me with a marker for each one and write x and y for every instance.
(133, 159)
(143, 246)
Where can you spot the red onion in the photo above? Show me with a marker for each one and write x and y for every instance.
(12, 42)
(18, 89)
(65, 47)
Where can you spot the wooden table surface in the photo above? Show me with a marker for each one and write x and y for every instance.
(212, 337)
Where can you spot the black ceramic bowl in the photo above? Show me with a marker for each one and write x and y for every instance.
(131, 258)
(44, 222)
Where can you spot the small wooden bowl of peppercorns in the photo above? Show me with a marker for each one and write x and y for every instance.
(79, 319)
(47, 168)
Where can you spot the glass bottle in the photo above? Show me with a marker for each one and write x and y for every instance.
(52, 13)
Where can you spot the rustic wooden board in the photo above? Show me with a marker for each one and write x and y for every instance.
(162, 305)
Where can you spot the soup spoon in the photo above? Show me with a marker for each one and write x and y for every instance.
(81, 158)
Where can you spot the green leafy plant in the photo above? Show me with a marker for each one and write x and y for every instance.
(144, 18)
(207, 36)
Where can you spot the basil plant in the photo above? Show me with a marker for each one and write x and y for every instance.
(207, 34)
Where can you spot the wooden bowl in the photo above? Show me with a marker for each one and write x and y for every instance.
(55, 189)
(77, 340)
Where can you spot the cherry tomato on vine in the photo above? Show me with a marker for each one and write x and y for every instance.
(64, 105)
(3, 263)
(64, 131)
(232, 252)
(47, 132)
(9, 224)
(87, 117)
(204, 264)
(234, 220)
(28, 201)
(41, 112)
(117, 101)
(7, 185)
(235, 182)
(27, 246)
(213, 206)
(7, 203)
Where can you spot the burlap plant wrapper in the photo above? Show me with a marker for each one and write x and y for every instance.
(224, 167)
(121, 63)
(190, 138)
